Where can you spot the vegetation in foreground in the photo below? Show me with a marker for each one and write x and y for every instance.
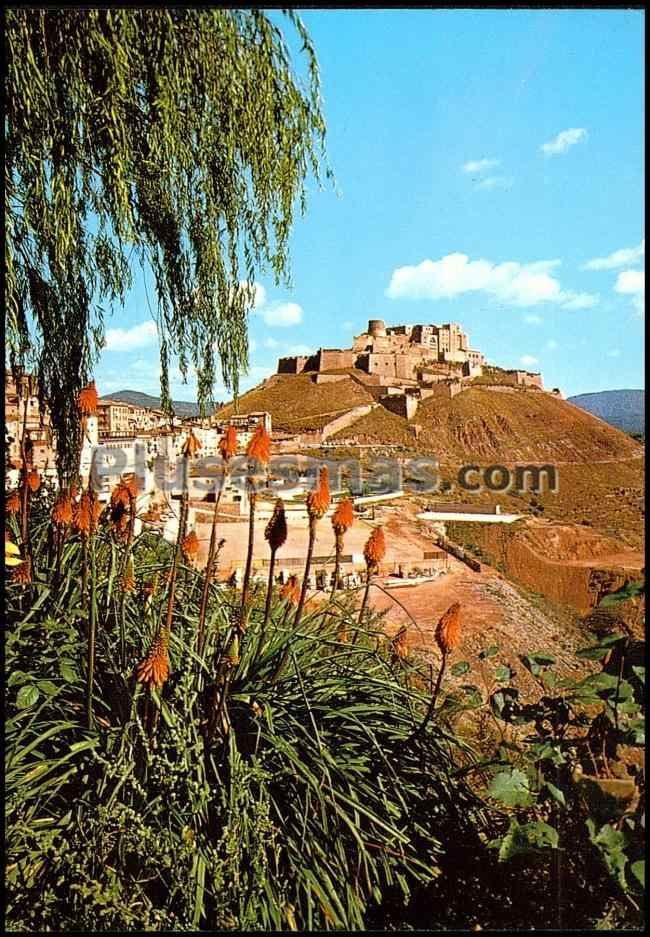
(291, 768)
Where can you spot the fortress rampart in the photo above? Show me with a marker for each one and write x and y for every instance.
(404, 356)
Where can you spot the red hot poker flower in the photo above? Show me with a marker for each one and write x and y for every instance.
(375, 548)
(448, 629)
(343, 516)
(87, 402)
(228, 444)
(318, 500)
(259, 448)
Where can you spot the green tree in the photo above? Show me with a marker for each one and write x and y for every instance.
(177, 138)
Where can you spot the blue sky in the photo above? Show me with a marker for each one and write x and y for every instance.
(489, 167)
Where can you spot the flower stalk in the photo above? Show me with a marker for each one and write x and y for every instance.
(447, 638)
(228, 449)
(342, 520)
(258, 453)
(318, 501)
(373, 552)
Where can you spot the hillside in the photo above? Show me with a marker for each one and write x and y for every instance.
(182, 408)
(600, 468)
(298, 404)
(490, 425)
(482, 424)
(624, 409)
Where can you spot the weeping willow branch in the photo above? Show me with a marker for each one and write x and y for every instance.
(177, 139)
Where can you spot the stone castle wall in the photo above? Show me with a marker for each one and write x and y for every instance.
(404, 354)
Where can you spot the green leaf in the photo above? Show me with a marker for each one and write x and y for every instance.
(629, 591)
(526, 838)
(68, 671)
(503, 672)
(638, 871)
(535, 662)
(49, 688)
(17, 677)
(511, 788)
(489, 652)
(611, 844)
(640, 673)
(602, 648)
(460, 668)
(556, 793)
(27, 696)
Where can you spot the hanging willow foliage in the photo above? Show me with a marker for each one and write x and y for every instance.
(179, 138)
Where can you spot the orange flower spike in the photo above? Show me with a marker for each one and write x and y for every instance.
(228, 444)
(81, 518)
(276, 529)
(190, 546)
(259, 448)
(375, 548)
(291, 590)
(191, 445)
(23, 574)
(121, 494)
(87, 402)
(12, 504)
(153, 671)
(343, 516)
(86, 514)
(62, 511)
(33, 480)
(318, 500)
(448, 629)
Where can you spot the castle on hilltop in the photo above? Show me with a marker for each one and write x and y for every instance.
(404, 364)
(401, 354)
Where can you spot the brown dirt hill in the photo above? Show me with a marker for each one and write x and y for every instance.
(296, 403)
(488, 425)
(569, 564)
(600, 468)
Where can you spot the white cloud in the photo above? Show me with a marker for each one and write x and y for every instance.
(281, 315)
(528, 360)
(632, 283)
(252, 345)
(551, 344)
(300, 350)
(614, 353)
(533, 320)
(580, 300)
(625, 257)
(271, 343)
(512, 283)
(480, 165)
(495, 182)
(138, 336)
(259, 296)
(563, 141)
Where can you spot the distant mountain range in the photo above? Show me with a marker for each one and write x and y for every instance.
(182, 408)
(624, 409)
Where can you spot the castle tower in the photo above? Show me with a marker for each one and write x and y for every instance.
(376, 328)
